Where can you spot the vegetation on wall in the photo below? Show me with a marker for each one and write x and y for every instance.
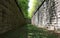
(23, 4)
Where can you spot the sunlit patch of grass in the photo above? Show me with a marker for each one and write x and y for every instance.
(36, 32)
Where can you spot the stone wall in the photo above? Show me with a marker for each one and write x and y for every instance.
(10, 16)
(48, 15)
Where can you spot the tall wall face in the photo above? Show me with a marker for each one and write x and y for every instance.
(48, 15)
(41, 18)
(57, 8)
(10, 16)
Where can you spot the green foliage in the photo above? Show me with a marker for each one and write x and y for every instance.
(32, 7)
(35, 4)
(23, 4)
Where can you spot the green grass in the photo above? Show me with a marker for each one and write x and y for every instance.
(36, 32)
(29, 30)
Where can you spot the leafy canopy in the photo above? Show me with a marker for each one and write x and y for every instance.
(23, 4)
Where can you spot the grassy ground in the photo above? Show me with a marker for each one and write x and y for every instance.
(35, 32)
(29, 31)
